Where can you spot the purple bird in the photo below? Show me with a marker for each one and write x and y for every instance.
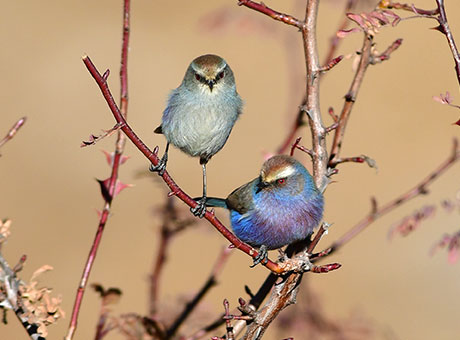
(280, 207)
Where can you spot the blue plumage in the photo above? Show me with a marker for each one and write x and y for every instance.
(278, 208)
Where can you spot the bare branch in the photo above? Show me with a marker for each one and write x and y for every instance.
(378, 211)
(111, 184)
(262, 8)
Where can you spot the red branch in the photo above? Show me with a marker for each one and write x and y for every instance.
(110, 185)
(153, 158)
(419, 189)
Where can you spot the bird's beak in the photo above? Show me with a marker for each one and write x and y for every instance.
(211, 84)
(261, 185)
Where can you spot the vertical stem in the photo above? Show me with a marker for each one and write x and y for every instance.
(312, 107)
(350, 98)
(111, 185)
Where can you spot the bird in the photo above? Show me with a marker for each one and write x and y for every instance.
(200, 115)
(278, 208)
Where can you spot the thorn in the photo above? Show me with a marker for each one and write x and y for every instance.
(155, 150)
(106, 74)
(374, 206)
(439, 29)
(171, 193)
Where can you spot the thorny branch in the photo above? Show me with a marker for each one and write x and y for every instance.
(334, 44)
(378, 211)
(440, 15)
(108, 187)
(152, 156)
(350, 99)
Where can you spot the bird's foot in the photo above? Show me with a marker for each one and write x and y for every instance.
(200, 208)
(262, 256)
(160, 167)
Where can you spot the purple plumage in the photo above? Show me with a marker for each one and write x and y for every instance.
(279, 207)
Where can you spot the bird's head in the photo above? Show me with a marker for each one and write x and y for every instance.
(209, 73)
(283, 175)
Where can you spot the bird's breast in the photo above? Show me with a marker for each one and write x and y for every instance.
(199, 125)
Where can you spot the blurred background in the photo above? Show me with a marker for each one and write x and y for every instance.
(48, 182)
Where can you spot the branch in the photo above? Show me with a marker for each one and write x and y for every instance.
(419, 189)
(284, 293)
(262, 8)
(445, 29)
(334, 44)
(318, 131)
(350, 98)
(14, 129)
(153, 158)
(109, 187)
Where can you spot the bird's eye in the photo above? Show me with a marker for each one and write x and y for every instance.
(221, 75)
(197, 77)
(281, 180)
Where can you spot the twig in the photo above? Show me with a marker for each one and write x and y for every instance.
(445, 29)
(262, 8)
(300, 147)
(153, 158)
(410, 8)
(210, 282)
(385, 55)
(13, 131)
(111, 185)
(378, 211)
(350, 98)
(334, 44)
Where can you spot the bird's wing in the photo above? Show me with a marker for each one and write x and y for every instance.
(158, 130)
(241, 199)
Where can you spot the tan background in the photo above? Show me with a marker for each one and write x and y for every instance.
(48, 182)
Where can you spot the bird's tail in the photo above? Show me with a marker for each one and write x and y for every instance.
(216, 202)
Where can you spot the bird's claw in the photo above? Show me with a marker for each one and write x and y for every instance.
(200, 209)
(160, 167)
(262, 256)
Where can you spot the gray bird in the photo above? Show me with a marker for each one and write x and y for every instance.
(200, 114)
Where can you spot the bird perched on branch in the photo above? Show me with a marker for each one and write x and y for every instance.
(280, 207)
(200, 114)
